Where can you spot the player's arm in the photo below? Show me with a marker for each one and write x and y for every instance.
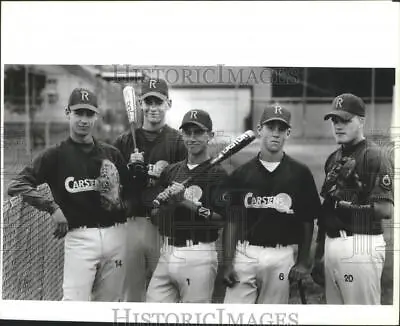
(381, 198)
(26, 182)
(229, 205)
(130, 189)
(33, 175)
(211, 211)
(309, 211)
(120, 143)
(319, 252)
(164, 209)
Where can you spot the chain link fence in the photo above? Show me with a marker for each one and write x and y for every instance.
(32, 259)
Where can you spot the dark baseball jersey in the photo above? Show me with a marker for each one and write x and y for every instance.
(375, 171)
(181, 223)
(71, 173)
(165, 145)
(272, 205)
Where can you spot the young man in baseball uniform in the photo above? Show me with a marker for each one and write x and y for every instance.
(358, 193)
(158, 145)
(272, 202)
(188, 222)
(88, 207)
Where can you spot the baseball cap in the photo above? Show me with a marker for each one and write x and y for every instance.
(276, 112)
(199, 118)
(82, 98)
(347, 106)
(155, 87)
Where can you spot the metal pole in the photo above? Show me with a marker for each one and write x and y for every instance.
(47, 122)
(373, 101)
(27, 113)
(304, 95)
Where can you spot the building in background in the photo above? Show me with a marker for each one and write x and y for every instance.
(236, 96)
(35, 97)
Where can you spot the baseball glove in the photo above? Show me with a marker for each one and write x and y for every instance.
(138, 172)
(341, 180)
(108, 185)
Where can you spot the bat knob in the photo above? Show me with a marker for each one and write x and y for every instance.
(156, 203)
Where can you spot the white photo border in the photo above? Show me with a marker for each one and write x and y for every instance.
(290, 34)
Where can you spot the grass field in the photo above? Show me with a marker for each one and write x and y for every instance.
(312, 153)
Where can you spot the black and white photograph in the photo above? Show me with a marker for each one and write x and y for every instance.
(221, 186)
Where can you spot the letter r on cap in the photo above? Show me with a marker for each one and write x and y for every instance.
(278, 109)
(152, 83)
(85, 96)
(339, 102)
(193, 115)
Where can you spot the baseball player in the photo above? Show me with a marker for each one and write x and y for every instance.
(88, 207)
(188, 264)
(358, 195)
(272, 202)
(158, 145)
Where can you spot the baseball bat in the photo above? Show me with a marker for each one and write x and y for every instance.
(239, 143)
(302, 292)
(132, 111)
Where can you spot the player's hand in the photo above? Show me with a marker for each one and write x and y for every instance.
(172, 194)
(136, 157)
(298, 272)
(61, 222)
(175, 193)
(230, 276)
(317, 273)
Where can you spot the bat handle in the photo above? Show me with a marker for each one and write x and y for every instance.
(158, 202)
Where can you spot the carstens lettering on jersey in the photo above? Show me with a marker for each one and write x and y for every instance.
(282, 202)
(73, 186)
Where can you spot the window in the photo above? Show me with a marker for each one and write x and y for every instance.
(51, 81)
(52, 98)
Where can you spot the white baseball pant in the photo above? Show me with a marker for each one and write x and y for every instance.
(184, 274)
(353, 269)
(143, 251)
(263, 274)
(94, 264)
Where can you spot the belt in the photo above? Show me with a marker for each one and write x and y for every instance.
(176, 242)
(264, 244)
(339, 233)
(98, 225)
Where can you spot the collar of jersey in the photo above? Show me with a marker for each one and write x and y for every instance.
(352, 148)
(73, 142)
(186, 162)
(259, 164)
